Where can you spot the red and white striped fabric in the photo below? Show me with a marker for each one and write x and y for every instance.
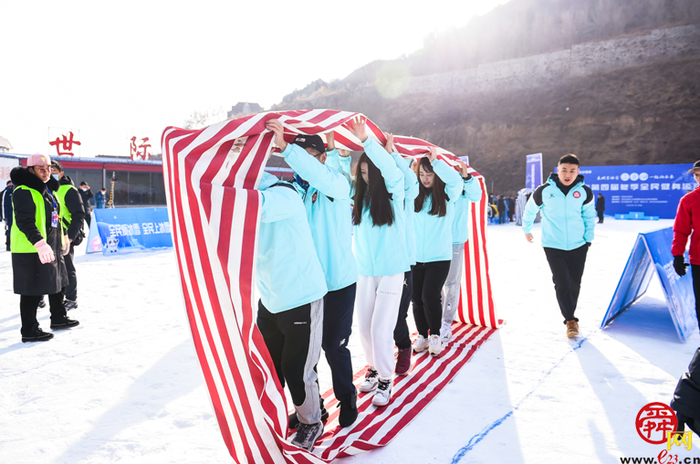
(210, 177)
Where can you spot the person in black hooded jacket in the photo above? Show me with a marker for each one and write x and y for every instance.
(72, 215)
(686, 398)
(37, 246)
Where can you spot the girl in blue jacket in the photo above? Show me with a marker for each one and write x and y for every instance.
(439, 187)
(402, 336)
(290, 311)
(471, 192)
(380, 251)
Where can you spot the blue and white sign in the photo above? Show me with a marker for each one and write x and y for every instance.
(652, 254)
(533, 171)
(130, 228)
(654, 189)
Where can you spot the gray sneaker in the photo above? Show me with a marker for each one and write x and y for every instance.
(370, 383)
(446, 334)
(307, 434)
(70, 304)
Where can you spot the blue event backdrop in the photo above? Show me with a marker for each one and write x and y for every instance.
(533, 171)
(654, 189)
(651, 254)
(129, 228)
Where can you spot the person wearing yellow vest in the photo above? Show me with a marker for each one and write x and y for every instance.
(72, 215)
(38, 244)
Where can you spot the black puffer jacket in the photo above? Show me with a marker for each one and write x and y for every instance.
(686, 398)
(30, 276)
(74, 204)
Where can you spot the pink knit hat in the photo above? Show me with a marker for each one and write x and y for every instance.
(38, 159)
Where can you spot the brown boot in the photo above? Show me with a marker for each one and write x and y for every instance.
(572, 329)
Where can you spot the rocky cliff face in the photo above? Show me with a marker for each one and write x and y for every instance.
(614, 81)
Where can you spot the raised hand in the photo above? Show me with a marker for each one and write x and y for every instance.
(389, 142)
(330, 140)
(275, 126)
(357, 127)
(432, 156)
(463, 168)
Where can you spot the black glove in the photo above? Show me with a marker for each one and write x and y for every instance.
(679, 265)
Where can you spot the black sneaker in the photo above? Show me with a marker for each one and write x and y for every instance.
(36, 335)
(70, 304)
(64, 323)
(294, 420)
(307, 435)
(42, 303)
(348, 411)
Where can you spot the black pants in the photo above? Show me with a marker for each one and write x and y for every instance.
(428, 279)
(293, 338)
(567, 270)
(338, 307)
(696, 288)
(72, 288)
(402, 338)
(28, 305)
(600, 217)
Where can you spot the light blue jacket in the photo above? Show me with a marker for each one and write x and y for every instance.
(568, 221)
(328, 210)
(434, 233)
(288, 271)
(410, 186)
(471, 192)
(342, 164)
(381, 250)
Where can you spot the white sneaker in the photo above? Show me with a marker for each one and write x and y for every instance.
(383, 394)
(421, 344)
(435, 345)
(371, 379)
(446, 334)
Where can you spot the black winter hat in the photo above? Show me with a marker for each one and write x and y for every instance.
(310, 141)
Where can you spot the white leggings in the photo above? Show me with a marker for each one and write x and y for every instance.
(377, 308)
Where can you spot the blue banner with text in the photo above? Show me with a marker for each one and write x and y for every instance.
(133, 228)
(533, 171)
(654, 189)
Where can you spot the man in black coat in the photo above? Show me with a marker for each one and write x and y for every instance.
(38, 246)
(72, 215)
(600, 207)
(686, 398)
(86, 195)
(7, 211)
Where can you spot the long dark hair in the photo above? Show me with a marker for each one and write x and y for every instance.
(437, 190)
(375, 195)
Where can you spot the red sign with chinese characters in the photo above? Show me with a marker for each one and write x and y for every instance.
(64, 146)
(140, 150)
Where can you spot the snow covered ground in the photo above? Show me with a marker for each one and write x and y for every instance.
(125, 386)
